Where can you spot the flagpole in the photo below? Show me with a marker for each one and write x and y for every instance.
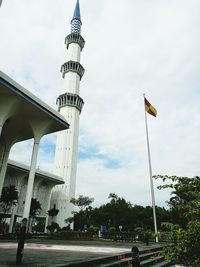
(151, 177)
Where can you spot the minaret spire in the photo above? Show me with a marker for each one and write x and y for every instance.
(70, 105)
(77, 13)
(76, 21)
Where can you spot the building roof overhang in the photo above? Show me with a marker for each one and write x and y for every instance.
(22, 111)
(20, 168)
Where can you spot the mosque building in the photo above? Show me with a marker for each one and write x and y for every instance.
(23, 117)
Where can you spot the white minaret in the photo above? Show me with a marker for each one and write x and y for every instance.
(69, 105)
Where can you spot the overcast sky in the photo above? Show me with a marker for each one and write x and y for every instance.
(132, 47)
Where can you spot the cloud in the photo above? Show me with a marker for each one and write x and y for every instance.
(132, 47)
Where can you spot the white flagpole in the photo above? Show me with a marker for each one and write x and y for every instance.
(151, 177)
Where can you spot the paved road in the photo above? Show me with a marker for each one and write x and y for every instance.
(40, 253)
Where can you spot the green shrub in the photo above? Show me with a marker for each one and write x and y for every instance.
(73, 235)
(53, 227)
(183, 246)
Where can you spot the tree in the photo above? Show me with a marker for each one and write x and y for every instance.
(69, 220)
(81, 202)
(117, 212)
(113, 196)
(53, 227)
(9, 198)
(35, 208)
(184, 204)
(53, 212)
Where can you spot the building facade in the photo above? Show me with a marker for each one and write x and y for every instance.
(35, 120)
(22, 117)
(17, 175)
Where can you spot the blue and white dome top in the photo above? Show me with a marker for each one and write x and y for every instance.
(76, 21)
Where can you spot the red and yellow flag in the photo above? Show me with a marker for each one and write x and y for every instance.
(149, 108)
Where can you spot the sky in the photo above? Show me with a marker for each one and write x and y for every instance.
(132, 47)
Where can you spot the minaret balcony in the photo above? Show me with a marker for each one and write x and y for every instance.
(69, 99)
(74, 67)
(75, 38)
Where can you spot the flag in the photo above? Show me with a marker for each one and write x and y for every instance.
(149, 108)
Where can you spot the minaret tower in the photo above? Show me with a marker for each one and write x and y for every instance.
(69, 105)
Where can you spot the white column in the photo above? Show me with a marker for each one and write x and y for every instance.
(46, 223)
(47, 217)
(12, 219)
(36, 187)
(3, 169)
(31, 178)
(1, 127)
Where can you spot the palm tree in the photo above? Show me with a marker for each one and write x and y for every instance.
(8, 199)
(35, 208)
